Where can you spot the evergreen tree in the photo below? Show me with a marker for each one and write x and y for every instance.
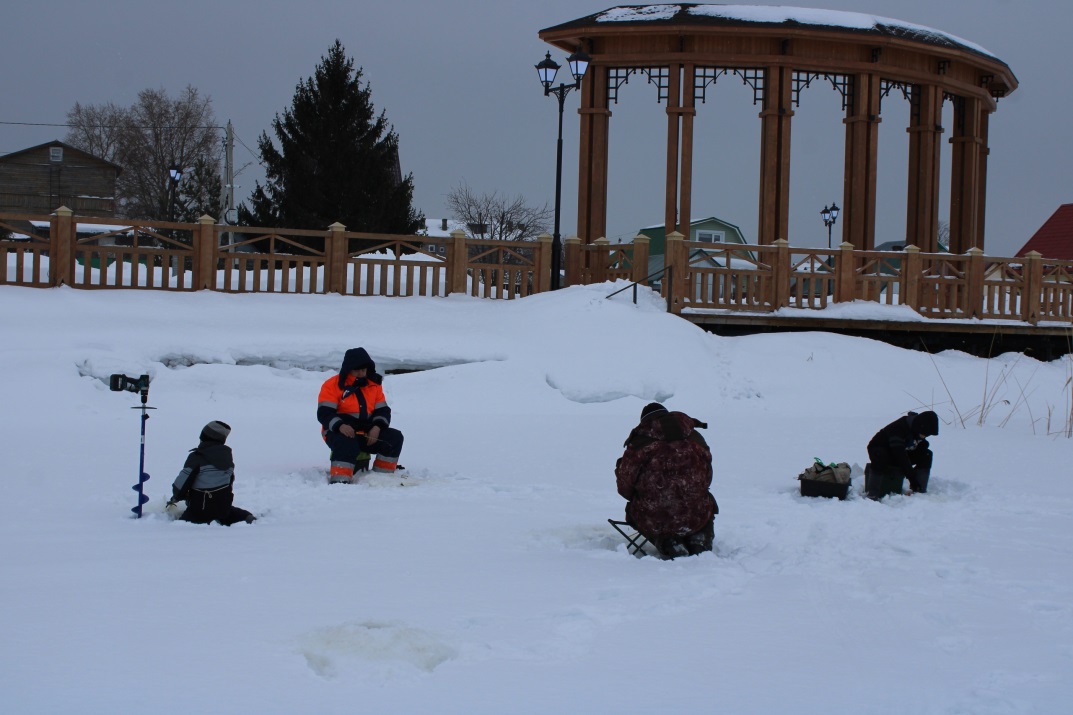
(337, 160)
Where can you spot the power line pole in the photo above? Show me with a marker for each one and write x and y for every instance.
(230, 214)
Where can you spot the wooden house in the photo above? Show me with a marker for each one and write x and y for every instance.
(42, 178)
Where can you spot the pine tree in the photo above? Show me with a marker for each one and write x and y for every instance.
(337, 160)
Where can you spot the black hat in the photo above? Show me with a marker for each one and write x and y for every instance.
(215, 431)
(926, 423)
(652, 408)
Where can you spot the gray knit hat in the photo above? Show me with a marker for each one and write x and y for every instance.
(215, 431)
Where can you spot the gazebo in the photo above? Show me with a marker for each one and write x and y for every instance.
(778, 51)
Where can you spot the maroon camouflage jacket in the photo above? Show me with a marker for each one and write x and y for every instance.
(665, 474)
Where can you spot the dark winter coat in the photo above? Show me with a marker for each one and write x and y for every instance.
(665, 474)
(899, 446)
(212, 465)
(209, 495)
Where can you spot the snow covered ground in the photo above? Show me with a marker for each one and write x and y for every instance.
(488, 581)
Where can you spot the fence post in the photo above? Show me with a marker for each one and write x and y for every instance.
(640, 258)
(542, 268)
(845, 275)
(974, 291)
(336, 259)
(573, 261)
(1033, 277)
(205, 246)
(781, 295)
(910, 283)
(676, 259)
(61, 251)
(457, 258)
(600, 255)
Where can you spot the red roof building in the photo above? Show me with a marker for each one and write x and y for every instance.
(1054, 239)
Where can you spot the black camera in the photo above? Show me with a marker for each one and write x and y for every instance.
(119, 383)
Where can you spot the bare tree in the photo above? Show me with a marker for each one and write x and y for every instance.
(147, 140)
(498, 217)
(97, 129)
(944, 235)
(200, 193)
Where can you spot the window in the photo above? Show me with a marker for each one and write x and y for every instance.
(55, 153)
(711, 236)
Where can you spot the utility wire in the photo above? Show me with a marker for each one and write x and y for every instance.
(106, 126)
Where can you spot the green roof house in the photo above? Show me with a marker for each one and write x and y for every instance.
(704, 230)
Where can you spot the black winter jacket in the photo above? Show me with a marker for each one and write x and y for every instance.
(892, 445)
(214, 466)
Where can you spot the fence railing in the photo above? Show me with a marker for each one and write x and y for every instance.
(763, 279)
(83, 252)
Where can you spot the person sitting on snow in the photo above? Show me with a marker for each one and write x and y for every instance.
(664, 475)
(207, 480)
(900, 451)
(355, 418)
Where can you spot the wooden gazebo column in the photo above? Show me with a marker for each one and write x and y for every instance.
(922, 197)
(680, 113)
(862, 147)
(685, 186)
(983, 150)
(674, 121)
(592, 158)
(775, 155)
(968, 173)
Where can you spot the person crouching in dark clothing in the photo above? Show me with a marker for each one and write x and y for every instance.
(207, 479)
(664, 475)
(900, 451)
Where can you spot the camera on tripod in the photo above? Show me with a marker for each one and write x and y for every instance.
(120, 383)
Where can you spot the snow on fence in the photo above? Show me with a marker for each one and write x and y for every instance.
(62, 249)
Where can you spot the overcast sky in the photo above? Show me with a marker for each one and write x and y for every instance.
(456, 80)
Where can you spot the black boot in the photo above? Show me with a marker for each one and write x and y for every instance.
(918, 480)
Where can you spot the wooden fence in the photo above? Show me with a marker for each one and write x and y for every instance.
(763, 279)
(91, 253)
(85, 252)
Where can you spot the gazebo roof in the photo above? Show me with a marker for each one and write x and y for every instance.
(767, 17)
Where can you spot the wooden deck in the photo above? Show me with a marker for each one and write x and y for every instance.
(1046, 341)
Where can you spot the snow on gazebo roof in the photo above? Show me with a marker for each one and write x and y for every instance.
(689, 14)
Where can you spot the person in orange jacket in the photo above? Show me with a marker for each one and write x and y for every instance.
(355, 418)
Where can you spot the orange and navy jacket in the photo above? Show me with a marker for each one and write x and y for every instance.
(360, 404)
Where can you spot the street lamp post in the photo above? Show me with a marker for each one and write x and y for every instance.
(175, 173)
(546, 71)
(829, 216)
